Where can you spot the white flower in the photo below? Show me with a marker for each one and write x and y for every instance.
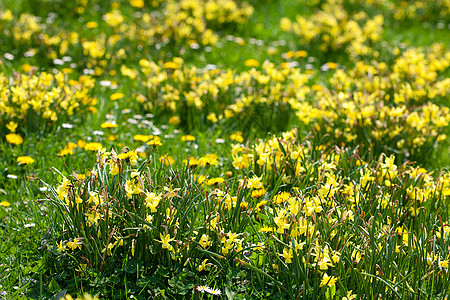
(30, 53)
(58, 61)
(213, 291)
(105, 83)
(8, 56)
(88, 72)
(204, 288)
(201, 288)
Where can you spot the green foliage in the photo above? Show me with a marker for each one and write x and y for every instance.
(270, 149)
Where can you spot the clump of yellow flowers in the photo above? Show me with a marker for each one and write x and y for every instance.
(304, 205)
(30, 101)
(333, 29)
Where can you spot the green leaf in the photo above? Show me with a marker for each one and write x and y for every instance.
(385, 282)
(60, 295)
(331, 291)
(53, 286)
(178, 286)
(114, 279)
(162, 271)
(131, 267)
(230, 294)
(3, 213)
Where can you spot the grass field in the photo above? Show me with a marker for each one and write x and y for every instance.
(202, 149)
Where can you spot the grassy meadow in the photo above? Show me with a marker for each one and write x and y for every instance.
(224, 149)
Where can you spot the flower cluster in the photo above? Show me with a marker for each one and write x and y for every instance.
(33, 101)
(182, 23)
(275, 168)
(419, 9)
(332, 29)
(295, 212)
(386, 107)
(221, 94)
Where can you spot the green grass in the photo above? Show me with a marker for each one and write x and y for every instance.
(416, 34)
(393, 244)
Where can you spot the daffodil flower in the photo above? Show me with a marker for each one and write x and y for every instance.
(165, 240)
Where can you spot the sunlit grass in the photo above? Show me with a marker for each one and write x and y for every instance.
(224, 149)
